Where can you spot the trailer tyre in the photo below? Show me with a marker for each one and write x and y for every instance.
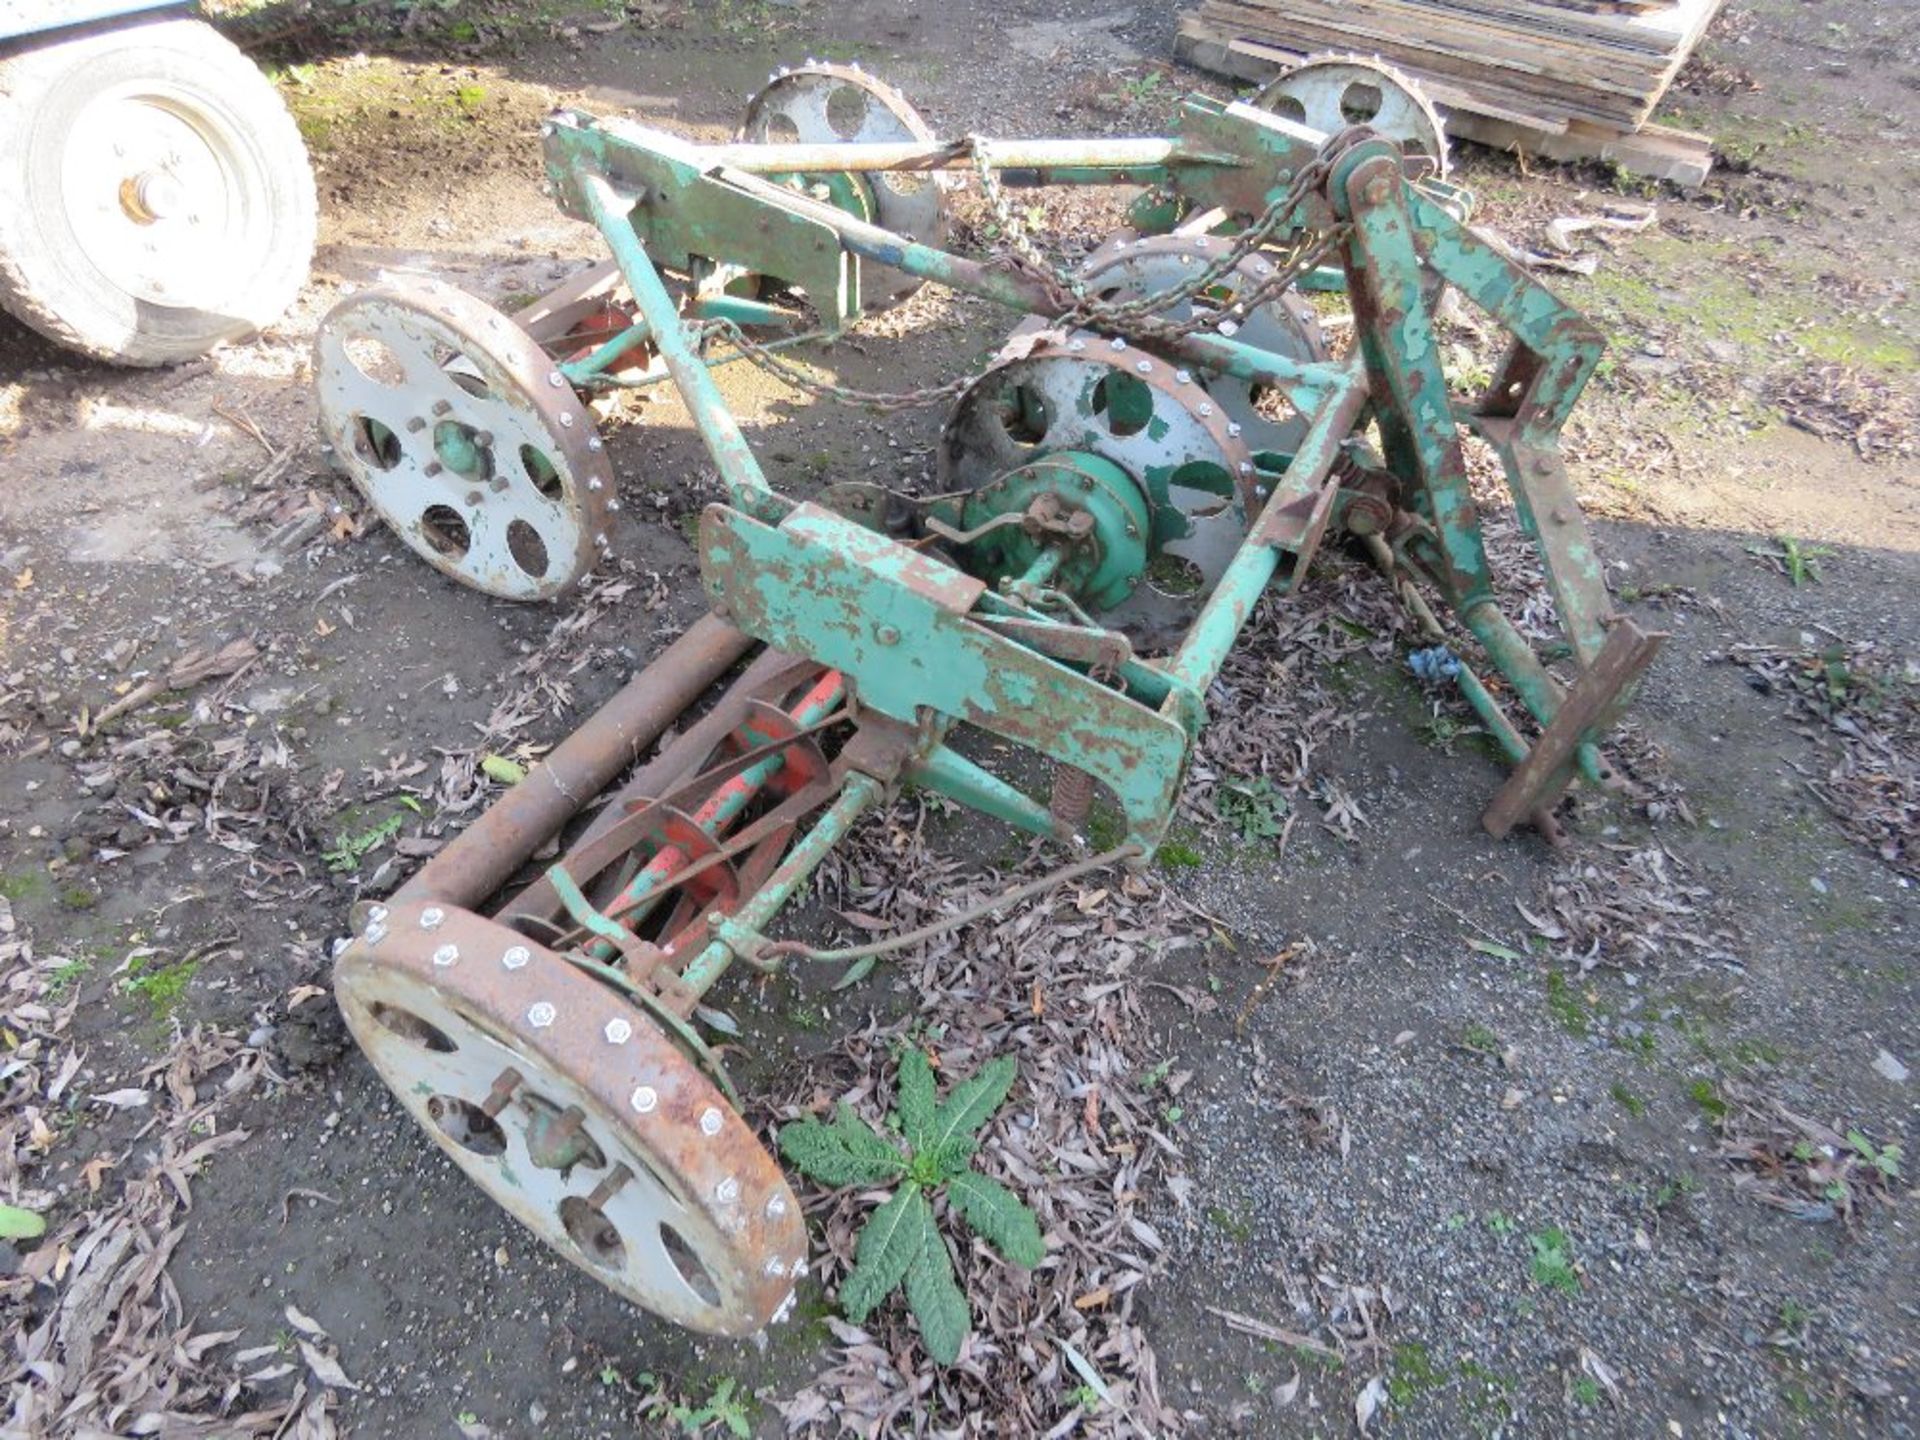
(155, 197)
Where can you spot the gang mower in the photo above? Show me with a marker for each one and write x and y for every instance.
(1166, 437)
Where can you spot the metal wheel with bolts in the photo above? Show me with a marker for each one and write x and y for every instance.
(574, 1112)
(1055, 394)
(1331, 91)
(464, 437)
(1130, 267)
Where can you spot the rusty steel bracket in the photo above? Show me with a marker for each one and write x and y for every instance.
(1589, 710)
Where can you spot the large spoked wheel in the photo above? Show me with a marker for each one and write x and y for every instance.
(158, 199)
(824, 104)
(568, 1107)
(464, 437)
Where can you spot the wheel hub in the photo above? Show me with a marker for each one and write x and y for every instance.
(1074, 393)
(153, 195)
(1083, 504)
(466, 440)
(569, 1108)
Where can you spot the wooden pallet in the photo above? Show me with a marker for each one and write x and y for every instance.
(1506, 117)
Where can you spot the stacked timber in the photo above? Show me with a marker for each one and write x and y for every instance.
(1586, 71)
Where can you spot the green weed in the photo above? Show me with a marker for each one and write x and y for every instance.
(1553, 1267)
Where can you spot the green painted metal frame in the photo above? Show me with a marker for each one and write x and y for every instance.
(927, 645)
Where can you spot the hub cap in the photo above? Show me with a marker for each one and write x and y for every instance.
(155, 198)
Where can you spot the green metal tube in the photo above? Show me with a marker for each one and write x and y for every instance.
(1304, 385)
(1096, 159)
(745, 481)
(582, 372)
(1490, 713)
(1514, 656)
(949, 773)
(860, 794)
(1206, 646)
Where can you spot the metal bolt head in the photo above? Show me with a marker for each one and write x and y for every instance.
(442, 407)
(1145, 367)
(1246, 467)
(566, 419)
(776, 1206)
(776, 1266)
(710, 1121)
(887, 634)
(618, 1031)
(373, 934)
(1185, 377)
(516, 957)
(596, 485)
(556, 379)
(376, 914)
(1233, 430)
(416, 423)
(1206, 412)
(644, 1100)
(613, 506)
(541, 1014)
(727, 1191)
(446, 955)
(1119, 344)
(1076, 345)
(595, 442)
(432, 918)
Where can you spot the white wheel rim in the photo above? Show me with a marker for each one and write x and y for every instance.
(668, 1198)
(447, 417)
(156, 195)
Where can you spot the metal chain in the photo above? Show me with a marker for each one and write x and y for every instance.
(1138, 319)
(881, 402)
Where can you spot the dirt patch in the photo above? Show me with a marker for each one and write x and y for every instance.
(1458, 1132)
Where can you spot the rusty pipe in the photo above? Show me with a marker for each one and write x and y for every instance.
(485, 855)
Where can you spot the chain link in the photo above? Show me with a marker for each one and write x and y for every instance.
(1139, 319)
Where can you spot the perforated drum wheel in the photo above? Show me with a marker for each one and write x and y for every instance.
(568, 1107)
(825, 104)
(464, 437)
